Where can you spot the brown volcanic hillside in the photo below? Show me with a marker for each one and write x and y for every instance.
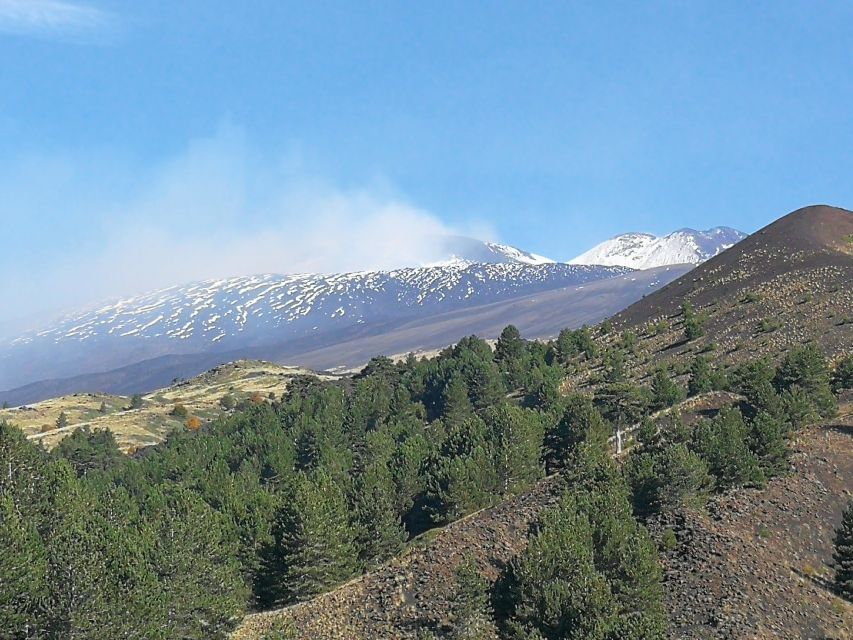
(790, 283)
(811, 244)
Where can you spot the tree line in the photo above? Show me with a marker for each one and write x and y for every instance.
(286, 499)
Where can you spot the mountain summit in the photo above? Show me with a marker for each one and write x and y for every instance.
(461, 250)
(645, 250)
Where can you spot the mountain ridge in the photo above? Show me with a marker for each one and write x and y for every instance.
(645, 250)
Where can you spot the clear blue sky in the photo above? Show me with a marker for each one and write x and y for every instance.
(555, 124)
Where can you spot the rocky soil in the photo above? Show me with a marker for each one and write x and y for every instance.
(757, 564)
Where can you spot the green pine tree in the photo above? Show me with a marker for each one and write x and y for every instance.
(843, 555)
(590, 572)
(379, 531)
(472, 617)
(579, 423)
(195, 557)
(22, 567)
(456, 406)
(317, 544)
(700, 377)
(767, 440)
(806, 367)
(516, 437)
(694, 324)
(842, 374)
(665, 392)
(722, 443)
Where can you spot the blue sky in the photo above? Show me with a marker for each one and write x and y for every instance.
(144, 143)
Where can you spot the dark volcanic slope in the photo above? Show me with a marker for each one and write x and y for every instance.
(808, 239)
(788, 283)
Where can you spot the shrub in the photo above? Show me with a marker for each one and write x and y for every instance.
(769, 325)
(280, 630)
(668, 541)
(179, 411)
(193, 423)
(700, 377)
(694, 324)
(842, 374)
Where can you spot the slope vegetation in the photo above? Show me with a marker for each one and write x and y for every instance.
(156, 416)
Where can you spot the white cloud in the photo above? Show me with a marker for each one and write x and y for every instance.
(51, 18)
(217, 210)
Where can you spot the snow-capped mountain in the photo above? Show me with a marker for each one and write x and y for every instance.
(251, 311)
(461, 250)
(644, 250)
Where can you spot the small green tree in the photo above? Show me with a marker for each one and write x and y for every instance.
(62, 420)
(581, 422)
(722, 442)
(464, 478)
(456, 403)
(89, 450)
(666, 475)
(843, 555)
(179, 411)
(842, 374)
(614, 366)
(379, 532)
(228, 402)
(665, 392)
(767, 439)
(516, 438)
(136, 401)
(694, 324)
(22, 566)
(806, 367)
(590, 572)
(700, 377)
(472, 617)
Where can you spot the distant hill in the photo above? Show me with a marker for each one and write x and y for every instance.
(540, 314)
(224, 316)
(149, 424)
(644, 250)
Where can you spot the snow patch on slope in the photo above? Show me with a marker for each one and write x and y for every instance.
(261, 308)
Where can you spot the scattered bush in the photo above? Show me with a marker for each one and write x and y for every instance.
(179, 411)
(668, 541)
